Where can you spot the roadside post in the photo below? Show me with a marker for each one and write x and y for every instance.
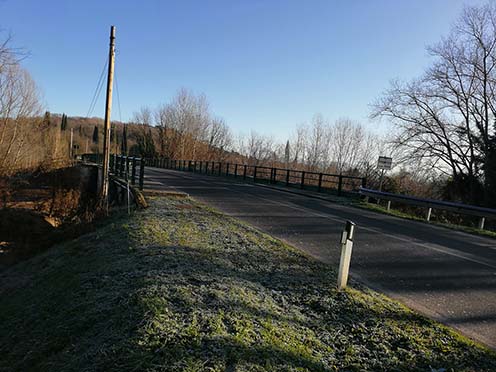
(346, 246)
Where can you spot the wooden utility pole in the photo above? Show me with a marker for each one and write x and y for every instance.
(108, 109)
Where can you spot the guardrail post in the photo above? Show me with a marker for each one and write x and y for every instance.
(236, 170)
(320, 182)
(244, 172)
(273, 175)
(227, 170)
(389, 205)
(482, 221)
(346, 248)
(189, 165)
(220, 168)
(255, 174)
(287, 177)
(429, 212)
(142, 173)
(302, 185)
(340, 185)
(213, 167)
(133, 172)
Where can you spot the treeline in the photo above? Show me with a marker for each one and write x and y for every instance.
(185, 128)
(442, 137)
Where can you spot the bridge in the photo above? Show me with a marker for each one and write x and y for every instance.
(445, 274)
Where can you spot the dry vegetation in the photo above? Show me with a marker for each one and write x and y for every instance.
(39, 209)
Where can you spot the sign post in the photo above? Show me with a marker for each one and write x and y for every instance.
(384, 163)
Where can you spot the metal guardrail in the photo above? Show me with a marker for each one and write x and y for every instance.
(122, 166)
(320, 182)
(431, 204)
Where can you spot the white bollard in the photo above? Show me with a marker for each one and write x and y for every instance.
(346, 247)
(429, 212)
(481, 223)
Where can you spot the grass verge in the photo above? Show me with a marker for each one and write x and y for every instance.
(180, 287)
(396, 213)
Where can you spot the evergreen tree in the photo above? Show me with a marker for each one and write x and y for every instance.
(124, 140)
(146, 146)
(150, 145)
(112, 132)
(490, 174)
(286, 154)
(63, 123)
(46, 120)
(95, 135)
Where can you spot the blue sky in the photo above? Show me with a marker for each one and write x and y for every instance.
(266, 65)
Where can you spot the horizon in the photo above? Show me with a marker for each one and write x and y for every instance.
(266, 67)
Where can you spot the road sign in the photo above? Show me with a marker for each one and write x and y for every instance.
(384, 163)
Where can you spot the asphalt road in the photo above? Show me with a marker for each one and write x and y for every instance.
(445, 274)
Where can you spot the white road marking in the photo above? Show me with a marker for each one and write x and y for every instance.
(444, 250)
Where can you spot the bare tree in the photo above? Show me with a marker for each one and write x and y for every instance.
(446, 118)
(316, 143)
(19, 107)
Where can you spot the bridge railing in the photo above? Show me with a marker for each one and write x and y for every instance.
(127, 167)
(315, 181)
(431, 204)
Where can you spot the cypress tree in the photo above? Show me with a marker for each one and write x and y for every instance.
(124, 140)
(63, 123)
(95, 135)
(286, 154)
(150, 145)
(46, 120)
(112, 132)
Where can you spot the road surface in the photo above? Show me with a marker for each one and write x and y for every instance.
(445, 274)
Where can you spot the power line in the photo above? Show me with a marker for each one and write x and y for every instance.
(98, 90)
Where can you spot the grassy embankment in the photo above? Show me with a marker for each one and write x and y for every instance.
(181, 287)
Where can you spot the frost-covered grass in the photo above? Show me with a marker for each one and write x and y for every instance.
(180, 287)
(397, 213)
